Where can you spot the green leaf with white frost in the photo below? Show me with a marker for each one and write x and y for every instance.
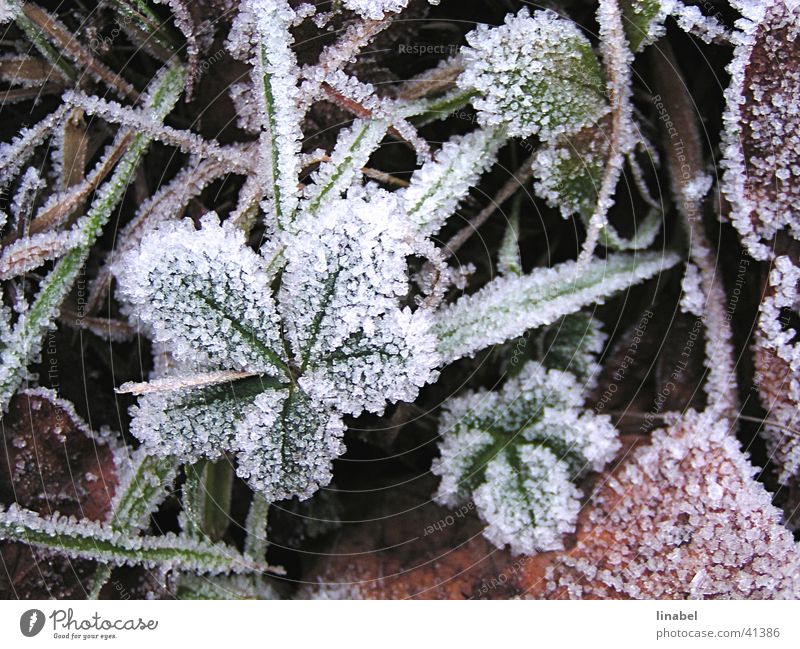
(508, 306)
(24, 343)
(206, 295)
(439, 186)
(143, 485)
(352, 151)
(260, 36)
(516, 452)
(554, 86)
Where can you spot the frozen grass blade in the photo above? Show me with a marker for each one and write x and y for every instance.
(508, 306)
(25, 341)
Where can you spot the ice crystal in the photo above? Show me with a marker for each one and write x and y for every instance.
(762, 126)
(375, 9)
(777, 358)
(683, 518)
(517, 452)
(439, 186)
(535, 74)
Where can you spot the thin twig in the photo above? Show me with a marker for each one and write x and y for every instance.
(519, 179)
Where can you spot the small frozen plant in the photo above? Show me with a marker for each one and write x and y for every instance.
(334, 339)
(517, 452)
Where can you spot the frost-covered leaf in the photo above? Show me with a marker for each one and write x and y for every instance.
(534, 74)
(260, 36)
(205, 294)
(345, 275)
(508, 306)
(390, 361)
(762, 125)
(683, 518)
(287, 443)
(517, 452)
(439, 186)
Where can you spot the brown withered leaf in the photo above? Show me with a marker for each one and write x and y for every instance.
(683, 518)
(50, 462)
(762, 120)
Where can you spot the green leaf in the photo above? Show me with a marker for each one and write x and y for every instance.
(639, 21)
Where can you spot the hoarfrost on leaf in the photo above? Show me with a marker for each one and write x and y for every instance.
(517, 452)
(684, 504)
(535, 74)
(761, 141)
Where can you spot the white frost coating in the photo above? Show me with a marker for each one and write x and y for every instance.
(86, 539)
(375, 9)
(761, 140)
(24, 255)
(353, 148)
(286, 443)
(204, 293)
(693, 299)
(439, 186)
(517, 451)
(778, 368)
(682, 518)
(260, 36)
(8, 11)
(536, 74)
(508, 306)
(346, 272)
(530, 508)
(693, 21)
(618, 61)
(207, 298)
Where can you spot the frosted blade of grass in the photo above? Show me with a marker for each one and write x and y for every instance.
(352, 151)
(137, 14)
(225, 587)
(261, 36)
(142, 487)
(438, 186)
(50, 53)
(255, 543)
(25, 341)
(646, 233)
(509, 261)
(14, 154)
(82, 539)
(508, 306)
